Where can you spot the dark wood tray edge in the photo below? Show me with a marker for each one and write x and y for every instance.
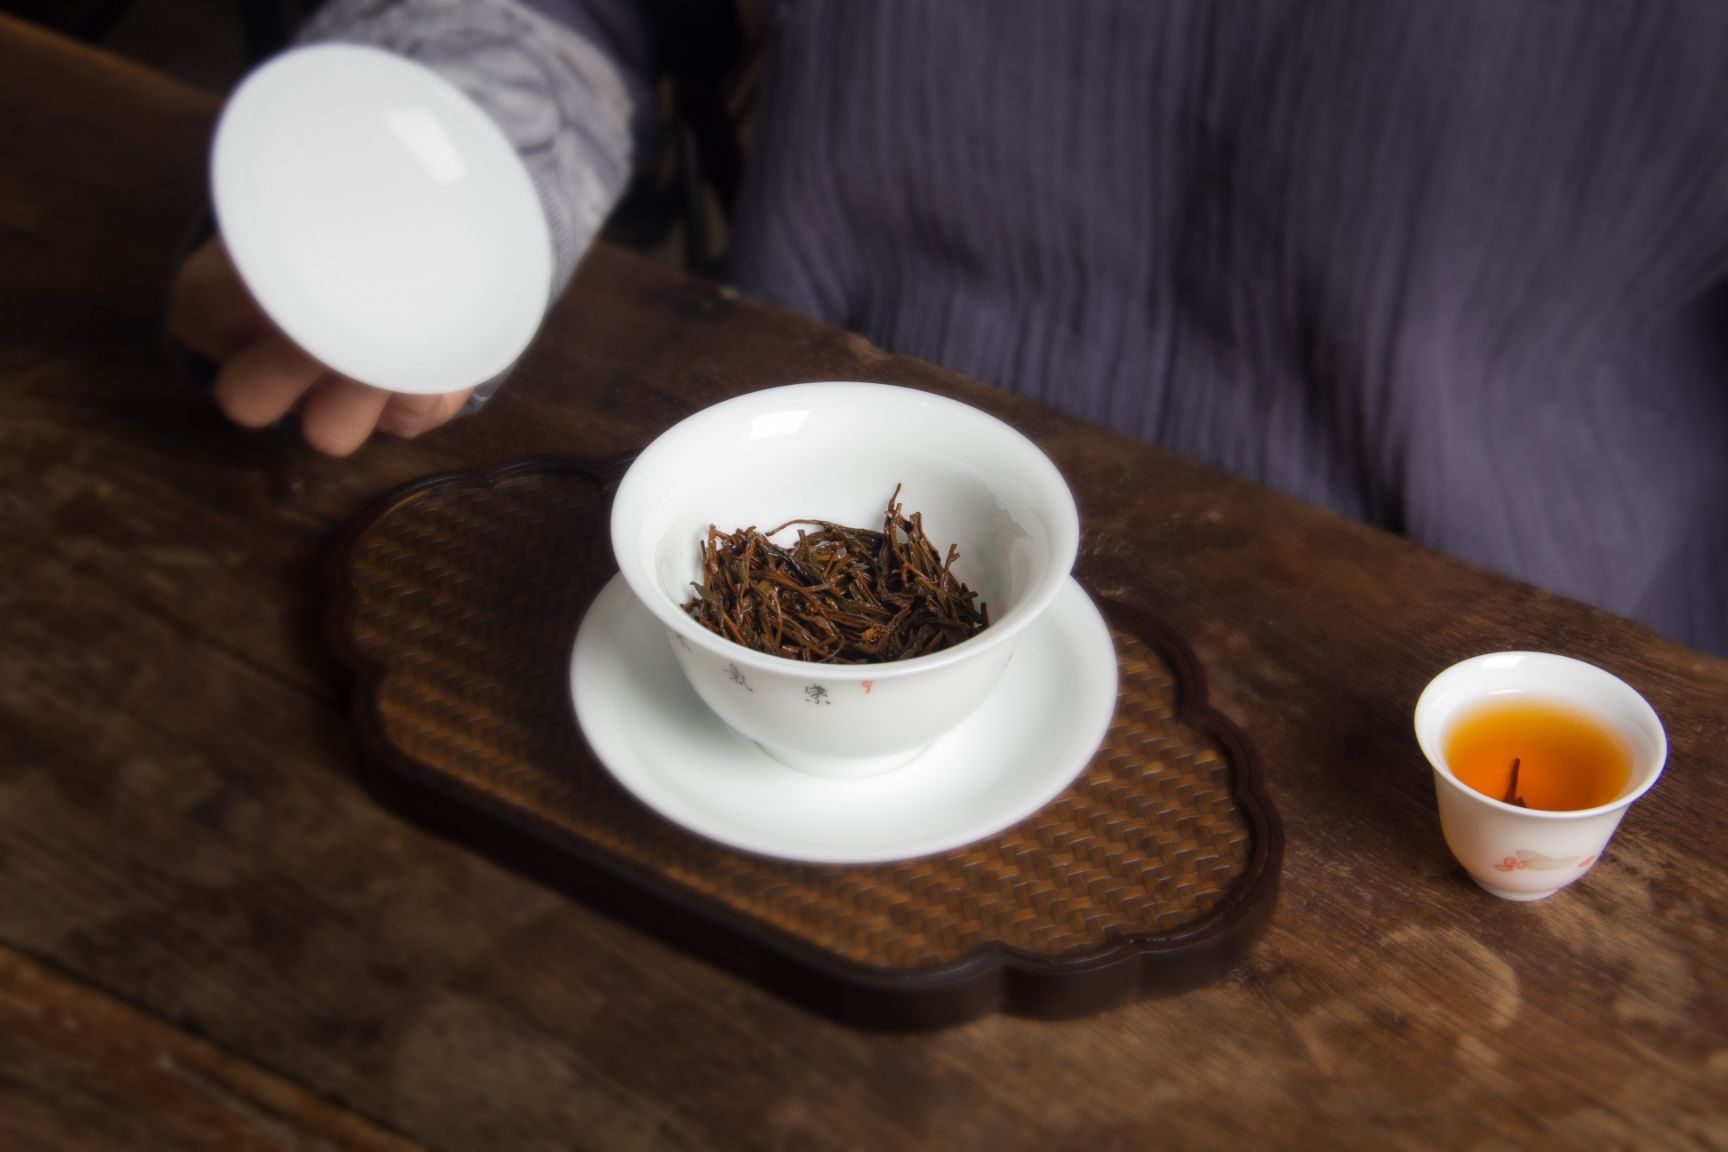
(993, 979)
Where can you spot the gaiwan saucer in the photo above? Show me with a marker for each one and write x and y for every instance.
(1016, 753)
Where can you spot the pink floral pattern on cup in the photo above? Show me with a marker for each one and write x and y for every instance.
(1524, 858)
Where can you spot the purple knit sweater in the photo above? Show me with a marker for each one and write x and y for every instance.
(1458, 268)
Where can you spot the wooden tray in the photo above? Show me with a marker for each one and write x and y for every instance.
(458, 602)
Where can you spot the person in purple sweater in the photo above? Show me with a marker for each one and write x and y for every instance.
(1457, 268)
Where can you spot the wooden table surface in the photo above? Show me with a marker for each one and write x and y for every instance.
(211, 937)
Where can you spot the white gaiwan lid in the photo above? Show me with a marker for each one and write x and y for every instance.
(381, 219)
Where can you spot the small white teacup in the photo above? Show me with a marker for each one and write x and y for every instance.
(1520, 853)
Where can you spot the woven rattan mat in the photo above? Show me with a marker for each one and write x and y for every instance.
(459, 599)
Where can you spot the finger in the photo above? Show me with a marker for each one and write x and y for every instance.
(411, 416)
(340, 414)
(212, 313)
(258, 385)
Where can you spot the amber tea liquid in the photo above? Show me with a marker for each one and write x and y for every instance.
(1567, 758)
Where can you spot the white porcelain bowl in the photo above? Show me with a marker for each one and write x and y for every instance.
(835, 451)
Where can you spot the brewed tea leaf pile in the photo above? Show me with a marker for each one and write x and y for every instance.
(838, 595)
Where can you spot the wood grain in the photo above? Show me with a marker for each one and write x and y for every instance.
(79, 1070)
(180, 825)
